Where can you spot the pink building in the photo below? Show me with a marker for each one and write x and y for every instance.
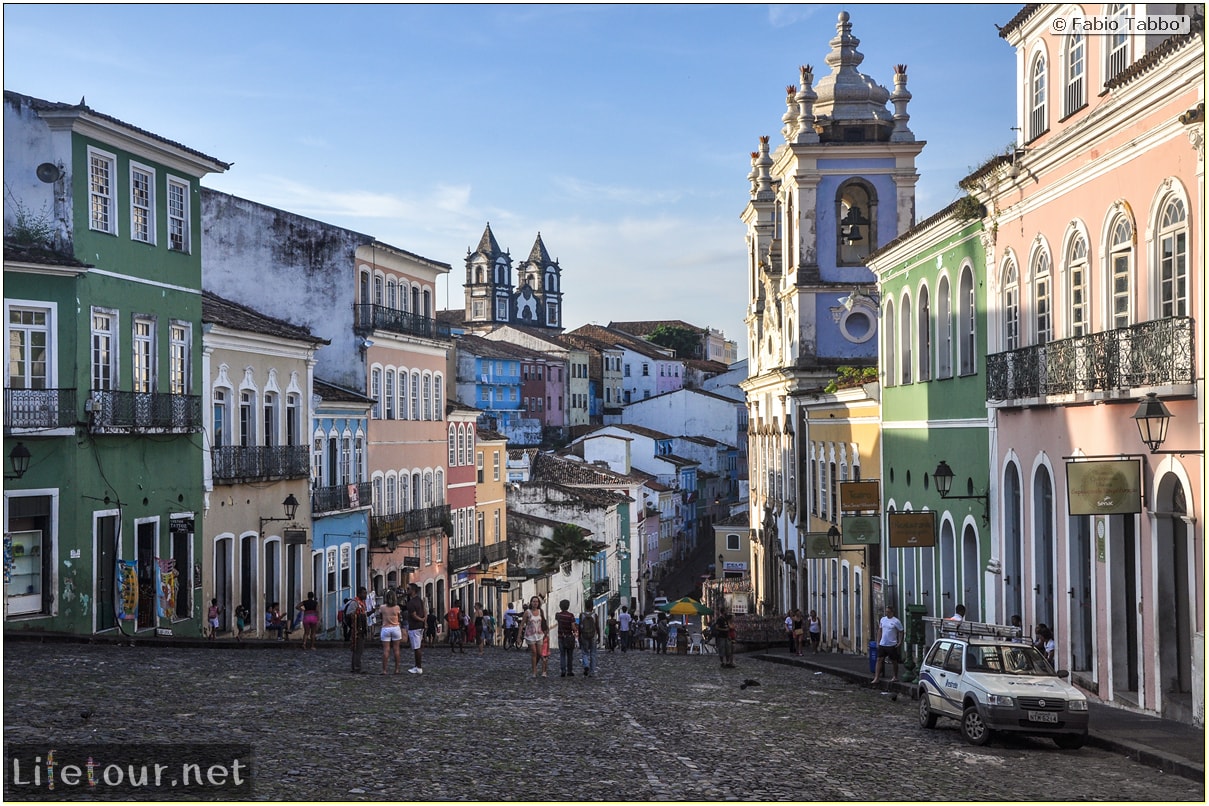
(1093, 236)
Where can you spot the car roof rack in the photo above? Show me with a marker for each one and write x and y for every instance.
(971, 629)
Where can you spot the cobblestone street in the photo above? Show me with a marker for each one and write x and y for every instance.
(649, 727)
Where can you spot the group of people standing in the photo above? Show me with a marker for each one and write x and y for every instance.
(799, 629)
(390, 614)
(572, 631)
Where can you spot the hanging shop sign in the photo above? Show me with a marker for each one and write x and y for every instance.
(1104, 487)
(860, 496)
(818, 546)
(911, 530)
(861, 530)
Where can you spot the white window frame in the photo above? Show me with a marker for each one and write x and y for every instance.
(1076, 273)
(1011, 306)
(180, 341)
(1120, 267)
(1038, 107)
(944, 328)
(179, 220)
(50, 314)
(102, 198)
(142, 204)
(142, 354)
(1074, 96)
(1173, 301)
(1043, 299)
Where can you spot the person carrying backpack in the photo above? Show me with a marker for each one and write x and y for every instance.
(453, 620)
(589, 631)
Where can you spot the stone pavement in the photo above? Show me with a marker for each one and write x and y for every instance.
(1173, 747)
(648, 727)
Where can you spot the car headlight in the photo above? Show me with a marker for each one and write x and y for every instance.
(999, 701)
(1076, 705)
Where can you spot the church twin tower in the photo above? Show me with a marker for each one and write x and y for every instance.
(491, 298)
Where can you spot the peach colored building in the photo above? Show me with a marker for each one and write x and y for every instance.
(1095, 258)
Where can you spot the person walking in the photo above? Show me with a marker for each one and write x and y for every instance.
(589, 632)
(391, 632)
(535, 631)
(417, 621)
(662, 634)
(611, 631)
(888, 644)
(430, 628)
(722, 629)
(453, 620)
(623, 627)
(309, 607)
(568, 636)
(789, 631)
(479, 625)
(511, 627)
(354, 616)
(815, 627)
(799, 630)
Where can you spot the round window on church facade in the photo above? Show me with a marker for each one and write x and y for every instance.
(857, 326)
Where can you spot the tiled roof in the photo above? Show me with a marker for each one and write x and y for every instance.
(333, 393)
(454, 316)
(55, 106)
(221, 311)
(672, 458)
(487, 435)
(557, 470)
(646, 328)
(488, 348)
(1151, 59)
(603, 337)
(453, 405)
(27, 253)
(1021, 16)
(922, 225)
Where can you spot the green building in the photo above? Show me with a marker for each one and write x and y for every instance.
(102, 307)
(934, 414)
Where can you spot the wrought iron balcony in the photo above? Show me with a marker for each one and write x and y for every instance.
(342, 496)
(378, 317)
(239, 463)
(39, 408)
(1155, 353)
(407, 524)
(601, 586)
(143, 411)
(497, 552)
(463, 557)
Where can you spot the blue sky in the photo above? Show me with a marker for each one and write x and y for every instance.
(621, 132)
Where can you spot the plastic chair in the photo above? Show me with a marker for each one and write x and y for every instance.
(695, 644)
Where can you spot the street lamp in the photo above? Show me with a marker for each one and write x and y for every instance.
(291, 508)
(943, 476)
(19, 458)
(833, 537)
(1152, 418)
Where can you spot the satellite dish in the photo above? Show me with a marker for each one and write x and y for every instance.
(49, 173)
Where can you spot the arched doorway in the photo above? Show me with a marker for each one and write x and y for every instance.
(1174, 598)
(1043, 548)
(1013, 540)
(950, 594)
(970, 564)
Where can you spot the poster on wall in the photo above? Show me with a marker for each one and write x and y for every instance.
(912, 530)
(1104, 487)
(166, 587)
(127, 604)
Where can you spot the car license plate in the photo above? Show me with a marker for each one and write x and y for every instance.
(1042, 716)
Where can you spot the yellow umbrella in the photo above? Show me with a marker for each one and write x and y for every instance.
(685, 607)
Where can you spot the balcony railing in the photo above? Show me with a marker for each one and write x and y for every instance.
(39, 408)
(1155, 353)
(497, 552)
(143, 411)
(378, 317)
(239, 463)
(342, 496)
(404, 524)
(462, 557)
(600, 586)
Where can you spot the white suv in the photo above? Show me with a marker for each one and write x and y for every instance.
(989, 682)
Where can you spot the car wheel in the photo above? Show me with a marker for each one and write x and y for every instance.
(1069, 741)
(927, 718)
(973, 728)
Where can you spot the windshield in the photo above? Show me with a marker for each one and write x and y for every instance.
(1007, 659)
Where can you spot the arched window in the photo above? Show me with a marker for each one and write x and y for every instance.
(891, 354)
(427, 309)
(388, 394)
(966, 324)
(404, 378)
(856, 222)
(1173, 260)
(1011, 306)
(416, 501)
(415, 395)
(461, 458)
(944, 330)
(377, 290)
(453, 459)
(364, 290)
(426, 398)
(222, 419)
(1076, 274)
(439, 491)
(905, 340)
(438, 399)
(391, 288)
(1043, 318)
(924, 332)
(378, 504)
(1116, 48)
(375, 391)
(405, 492)
(391, 504)
(403, 306)
(1038, 118)
(429, 500)
(1120, 248)
(1073, 99)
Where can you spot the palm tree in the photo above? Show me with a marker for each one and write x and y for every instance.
(566, 546)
